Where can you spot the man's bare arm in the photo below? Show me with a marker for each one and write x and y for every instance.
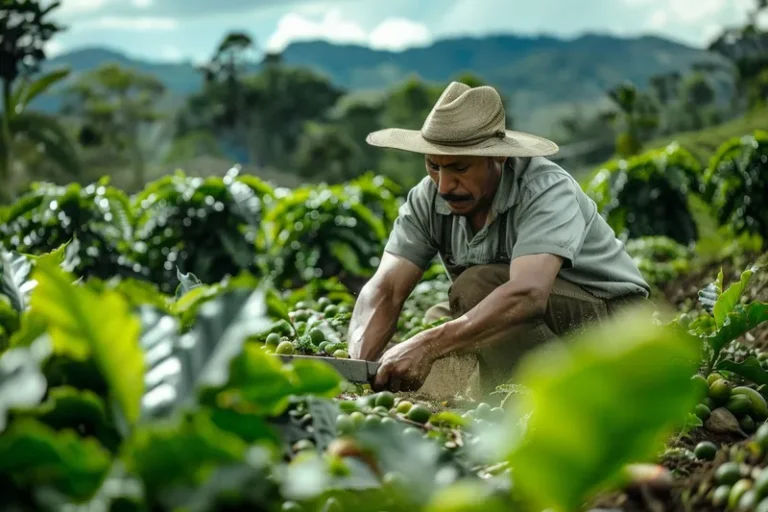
(523, 297)
(378, 307)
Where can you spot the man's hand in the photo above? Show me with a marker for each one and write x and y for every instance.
(406, 366)
(378, 306)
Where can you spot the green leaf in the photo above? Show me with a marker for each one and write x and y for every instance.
(749, 369)
(730, 297)
(184, 451)
(141, 293)
(203, 358)
(276, 307)
(28, 92)
(80, 410)
(14, 282)
(324, 413)
(315, 378)
(251, 428)
(65, 256)
(32, 327)
(9, 318)
(33, 455)
(257, 383)
(111, 337)
(22, 383)
(187, 282)
(737, 322)
(605, 399)
(224, 324)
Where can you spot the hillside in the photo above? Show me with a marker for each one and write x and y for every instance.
(544, 77)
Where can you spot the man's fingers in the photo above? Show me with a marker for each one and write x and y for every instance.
(382, 377)
(395, 383)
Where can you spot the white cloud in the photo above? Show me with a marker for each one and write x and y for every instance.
(399, 34)
(691, 11)
(392, 33)
(140, 23)
(142, 4)
(53, 48)
(295, 27)
(659, 19)
(73, 8)
(171, 52)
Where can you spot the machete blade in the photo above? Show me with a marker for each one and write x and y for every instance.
(357, 371)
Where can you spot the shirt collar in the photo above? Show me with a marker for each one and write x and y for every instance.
(507, 194)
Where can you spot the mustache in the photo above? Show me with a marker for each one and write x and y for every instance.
(455, 198)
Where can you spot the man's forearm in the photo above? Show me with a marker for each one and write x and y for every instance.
(373, 322)
(487, 323)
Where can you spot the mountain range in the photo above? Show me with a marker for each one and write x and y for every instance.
(543, 77)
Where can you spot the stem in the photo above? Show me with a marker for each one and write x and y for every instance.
(712, 361)
(5, 133)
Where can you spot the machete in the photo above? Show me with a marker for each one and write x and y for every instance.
(357, 371)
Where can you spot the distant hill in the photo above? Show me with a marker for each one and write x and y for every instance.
(544, 77)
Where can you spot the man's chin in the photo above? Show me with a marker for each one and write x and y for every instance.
(461, 207)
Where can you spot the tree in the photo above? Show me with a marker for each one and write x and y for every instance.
(283, 99)
(665, 87)
(697, 97)
(114, 104)
(326, 153)
(223, 80)
(636, 116)
(747, 47)
(357, 116)
(24, 30)
(258, 115)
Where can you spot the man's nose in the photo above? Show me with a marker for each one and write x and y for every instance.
(445, 184)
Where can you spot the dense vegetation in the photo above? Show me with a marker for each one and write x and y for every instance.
(119, 121)
(144, 329)
(143, 318)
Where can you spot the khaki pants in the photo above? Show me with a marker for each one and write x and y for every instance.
(569, 309)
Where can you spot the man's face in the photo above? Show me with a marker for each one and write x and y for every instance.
(467, 183)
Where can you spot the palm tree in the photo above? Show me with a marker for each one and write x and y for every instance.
(22, 125)
(24, 30)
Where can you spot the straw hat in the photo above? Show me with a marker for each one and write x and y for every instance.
(465, 121)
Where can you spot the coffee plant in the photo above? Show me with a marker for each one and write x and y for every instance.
(737, 185)
(646, 195)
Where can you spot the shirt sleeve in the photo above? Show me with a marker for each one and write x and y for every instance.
(410, 237)
(550, 220)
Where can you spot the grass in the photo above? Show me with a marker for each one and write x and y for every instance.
(704, 143)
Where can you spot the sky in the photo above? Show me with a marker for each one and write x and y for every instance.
(173, 30)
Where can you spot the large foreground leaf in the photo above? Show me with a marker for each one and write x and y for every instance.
(82, 410)
(599, 402)
(22, 384)
(34, 455)
(179, 366)
(14, 279)
(83, 323)
(261, 384)
(180, 452)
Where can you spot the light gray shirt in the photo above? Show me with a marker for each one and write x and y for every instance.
(538, 208)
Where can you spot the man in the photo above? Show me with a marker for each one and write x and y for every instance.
(529, 257)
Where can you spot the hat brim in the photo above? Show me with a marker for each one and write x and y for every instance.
(514, 144)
